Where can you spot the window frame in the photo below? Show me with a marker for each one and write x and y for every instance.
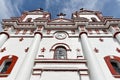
(6, 58)
(55, 57)
(108, 62)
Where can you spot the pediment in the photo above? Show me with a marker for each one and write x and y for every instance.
(88, 12)
(61, 20)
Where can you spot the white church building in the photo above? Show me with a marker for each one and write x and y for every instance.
(36, 47)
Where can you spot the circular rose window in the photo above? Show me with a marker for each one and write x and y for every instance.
(60, 35)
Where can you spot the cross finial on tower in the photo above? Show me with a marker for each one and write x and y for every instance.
(40, 9)
(61, 15)
(82, 9)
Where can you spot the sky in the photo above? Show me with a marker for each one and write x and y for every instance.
(14, 8)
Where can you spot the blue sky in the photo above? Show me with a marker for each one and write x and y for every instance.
(10, 8)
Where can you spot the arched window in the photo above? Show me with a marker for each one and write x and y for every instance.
(60, 53)
(5, 66)
(116, 65)
(113, 63)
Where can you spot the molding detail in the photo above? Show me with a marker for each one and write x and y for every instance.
(115, 34)
(107, 60)
(9, 57)
(38, 33)
(60, 44)
(83, 33)
(5, 34)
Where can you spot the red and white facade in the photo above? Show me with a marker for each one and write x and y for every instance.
(36, 47)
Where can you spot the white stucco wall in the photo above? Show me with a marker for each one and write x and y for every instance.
(48, 42)
(106, 48)
(59, 75)
(14, 47)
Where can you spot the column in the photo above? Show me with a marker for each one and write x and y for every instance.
(116, 32)
(93, 66)
(26, 68)
(3, 38)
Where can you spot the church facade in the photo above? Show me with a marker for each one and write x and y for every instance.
(36, 47)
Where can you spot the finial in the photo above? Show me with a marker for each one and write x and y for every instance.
(61, 15)
(41, 9)
(82, 9)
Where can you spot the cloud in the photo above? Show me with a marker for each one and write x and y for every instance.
(50, 3)
(69, 6)
(74, 5)
(118, 2)
(9, 8)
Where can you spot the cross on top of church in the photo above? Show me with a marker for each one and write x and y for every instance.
(61, 15)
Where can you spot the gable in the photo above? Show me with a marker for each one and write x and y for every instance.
(61, 20)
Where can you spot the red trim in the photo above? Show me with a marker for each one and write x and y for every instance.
(39, 28)
(65, 61)
(115, 34)
(99, 36)
(14, 59)
(79, 70)
(73, 31)
(60, 44)
(48, 31)
(118, 50)
(100, 16)
(21, 39)
(17, 31)
(58, 60)
(38, 33)
(97, 31)
(39, 69)
(82, 33)
(105, 31)
(107, 59)
(5, 34)
(31, 32)
(24, 31)
(89, 31)
(23, 16)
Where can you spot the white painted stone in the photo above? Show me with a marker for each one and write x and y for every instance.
(29, 60)
(89, 17)
(91, 59)
(3, 39)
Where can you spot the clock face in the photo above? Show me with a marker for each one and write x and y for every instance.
(60, 35)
